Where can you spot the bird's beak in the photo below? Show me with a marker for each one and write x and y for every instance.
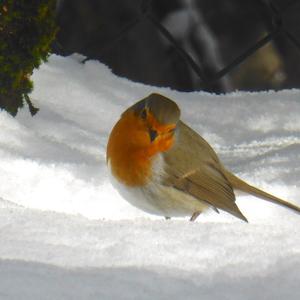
(152, 134)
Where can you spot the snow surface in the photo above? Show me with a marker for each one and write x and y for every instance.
(66, 233)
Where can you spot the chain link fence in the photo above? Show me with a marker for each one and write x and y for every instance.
(275, 18)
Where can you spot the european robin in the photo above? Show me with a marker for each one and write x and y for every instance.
(164, 167)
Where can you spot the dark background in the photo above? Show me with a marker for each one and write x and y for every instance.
(213, 32)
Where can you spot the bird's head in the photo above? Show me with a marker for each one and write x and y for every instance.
(145, 129)
(154, 118)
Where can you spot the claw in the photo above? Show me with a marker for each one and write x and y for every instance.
(195, 216)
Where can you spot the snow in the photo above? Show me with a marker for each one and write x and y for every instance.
(66, 233)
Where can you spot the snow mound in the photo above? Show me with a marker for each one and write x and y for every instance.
(67, 234)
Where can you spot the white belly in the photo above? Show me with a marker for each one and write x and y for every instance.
(158, 199)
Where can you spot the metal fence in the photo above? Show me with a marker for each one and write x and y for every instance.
(277, 26)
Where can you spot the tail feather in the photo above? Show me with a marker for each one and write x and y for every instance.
(241, 185)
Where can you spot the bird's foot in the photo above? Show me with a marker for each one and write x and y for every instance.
(195, 215)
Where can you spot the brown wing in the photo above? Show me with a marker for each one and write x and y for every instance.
(193, 167)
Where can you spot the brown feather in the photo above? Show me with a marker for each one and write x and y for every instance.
(165, 110)
(197, 171)
(241, 185)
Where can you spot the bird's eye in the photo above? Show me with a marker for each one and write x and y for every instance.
(144, 114)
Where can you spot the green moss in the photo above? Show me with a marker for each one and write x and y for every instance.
(27, 29)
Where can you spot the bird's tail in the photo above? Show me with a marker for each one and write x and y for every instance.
(241, 185)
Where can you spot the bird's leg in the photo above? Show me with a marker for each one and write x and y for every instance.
(167, 218)
(195, 216)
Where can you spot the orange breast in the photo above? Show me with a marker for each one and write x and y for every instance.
(130, 152)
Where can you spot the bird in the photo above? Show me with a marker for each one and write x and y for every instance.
(163, 167)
